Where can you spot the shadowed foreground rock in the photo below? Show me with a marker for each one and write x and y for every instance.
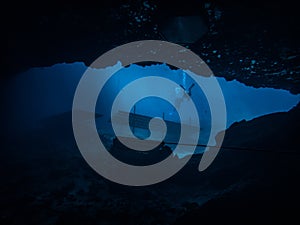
(44, 178)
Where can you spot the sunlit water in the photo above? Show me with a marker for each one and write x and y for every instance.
(40, 93)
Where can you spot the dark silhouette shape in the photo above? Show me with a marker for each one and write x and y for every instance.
(189, 92)
(190, 89)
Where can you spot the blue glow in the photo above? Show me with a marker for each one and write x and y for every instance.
(43, 92)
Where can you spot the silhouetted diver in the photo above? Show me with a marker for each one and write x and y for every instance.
(189, 92)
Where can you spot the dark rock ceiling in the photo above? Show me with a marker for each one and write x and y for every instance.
(252, 41)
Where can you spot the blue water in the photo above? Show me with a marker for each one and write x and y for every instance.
(40, 93)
